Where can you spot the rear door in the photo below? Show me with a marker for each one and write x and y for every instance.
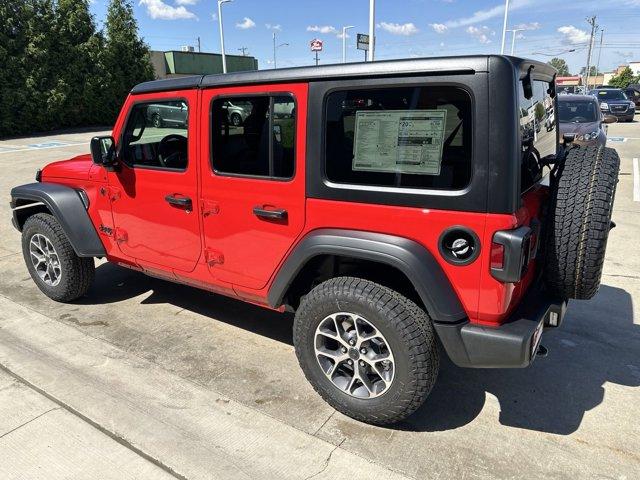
(253, 193)
(154, 190)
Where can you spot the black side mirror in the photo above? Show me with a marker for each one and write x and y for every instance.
(103, 151)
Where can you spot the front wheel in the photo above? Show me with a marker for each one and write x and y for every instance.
(367, 350)
(52, 263)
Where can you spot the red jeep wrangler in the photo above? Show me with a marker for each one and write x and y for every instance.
(387, 204)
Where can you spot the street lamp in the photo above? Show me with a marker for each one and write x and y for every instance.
(224, 58)
(275, 47)
(344, 43)
(372, 31)
(513, 38)
(504, 25)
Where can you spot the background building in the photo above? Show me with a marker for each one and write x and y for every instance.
(180, 64)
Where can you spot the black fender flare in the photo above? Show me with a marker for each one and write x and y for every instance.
(408, 256)
(67, 206)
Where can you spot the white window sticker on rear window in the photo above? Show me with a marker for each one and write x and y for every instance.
(404, 141)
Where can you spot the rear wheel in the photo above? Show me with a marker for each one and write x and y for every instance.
(52, 263)
(580, 219)
(156, 119)
(236, 119)
(367, 350)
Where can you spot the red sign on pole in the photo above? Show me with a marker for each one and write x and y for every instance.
(316, 45)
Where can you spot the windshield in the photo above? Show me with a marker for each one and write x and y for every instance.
(610, 95)
(577, 112)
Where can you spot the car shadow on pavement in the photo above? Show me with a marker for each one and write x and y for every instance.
(113, 284)
(597, 343)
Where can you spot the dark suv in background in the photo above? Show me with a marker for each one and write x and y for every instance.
(615, 102)
(633, 93)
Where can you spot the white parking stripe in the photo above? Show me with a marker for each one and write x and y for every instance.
(636, 180)
(27, 148)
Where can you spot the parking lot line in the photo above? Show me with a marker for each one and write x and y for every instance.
(636, 180)
(38, 146)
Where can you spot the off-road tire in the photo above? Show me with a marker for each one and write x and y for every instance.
(77, 272)
(580, 219)
(406, 327)
(236, 119)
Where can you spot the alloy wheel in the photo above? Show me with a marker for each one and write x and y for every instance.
(45, 260)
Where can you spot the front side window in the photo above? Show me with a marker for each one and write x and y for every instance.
(254, 136)
(156, 135)
(537, 131)
(410, 137)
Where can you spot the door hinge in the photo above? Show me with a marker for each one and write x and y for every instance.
(112, 193)
(209, 207)
(213, 257)
(120, 235)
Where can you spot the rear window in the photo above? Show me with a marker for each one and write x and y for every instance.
(411, 137)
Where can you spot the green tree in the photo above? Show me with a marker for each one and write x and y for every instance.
(624, 79)
(13, 45)
(561, 66)
(593, 71)
(125, 57)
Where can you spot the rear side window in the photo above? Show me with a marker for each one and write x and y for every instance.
(538, 120)
(156, 135)
(254, 136)
(412, 137)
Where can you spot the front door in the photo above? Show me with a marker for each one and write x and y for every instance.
(253, 193)
(154, 190)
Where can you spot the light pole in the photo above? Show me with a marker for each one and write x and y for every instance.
(372, 29)
(344, 43)
(224, 58)
(504, 25)
(514, 31)
(275, 47)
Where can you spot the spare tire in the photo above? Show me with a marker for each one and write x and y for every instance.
(582, 193)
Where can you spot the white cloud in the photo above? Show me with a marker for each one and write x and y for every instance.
(480, 33)
(573, 35)
(439, 27)
(186, 2)
(246, 24)
(159, 10)
(214, 16)
(322, 29)
(487, 14)
(405, 29)
(528, 26)
(270, 26)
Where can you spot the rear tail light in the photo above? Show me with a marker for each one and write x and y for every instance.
(497, 255)
(510, 254)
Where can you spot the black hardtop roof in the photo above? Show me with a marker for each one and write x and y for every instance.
(418, 66)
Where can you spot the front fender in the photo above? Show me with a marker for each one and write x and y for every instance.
(408, 256)
(66, 205)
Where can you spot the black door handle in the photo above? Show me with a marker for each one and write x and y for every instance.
(275, 214)
(182, 202)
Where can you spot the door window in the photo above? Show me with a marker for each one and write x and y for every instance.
(254, 136)
(156, 135)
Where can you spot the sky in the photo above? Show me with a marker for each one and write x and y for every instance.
(404, 28)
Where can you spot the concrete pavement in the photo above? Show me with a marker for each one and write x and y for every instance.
(204, 385)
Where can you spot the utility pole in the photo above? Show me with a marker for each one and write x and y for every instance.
(514, 32)
(243, 50)
(504, 25)
(599, 53)
(199, 45)
(372, 30)
(344, 43)
(276, 47)
(224, 58)
(591, 21)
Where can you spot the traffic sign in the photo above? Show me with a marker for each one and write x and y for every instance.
(363, 41)
(316, 45)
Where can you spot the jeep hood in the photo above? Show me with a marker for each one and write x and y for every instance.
(75, 168)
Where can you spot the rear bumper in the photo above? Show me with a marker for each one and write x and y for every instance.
(510, 345)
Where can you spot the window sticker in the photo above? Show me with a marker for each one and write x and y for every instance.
(399, 141)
